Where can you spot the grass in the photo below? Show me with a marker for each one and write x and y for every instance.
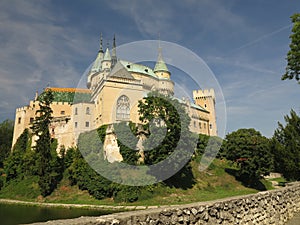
(27, 189)
(214, 183)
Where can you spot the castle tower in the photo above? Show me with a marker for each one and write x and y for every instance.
(161, 70)
(206, 99)
(97, 64)
(114, 53)
(106, 62)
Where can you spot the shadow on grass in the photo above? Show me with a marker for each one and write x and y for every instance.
(254, 183)
(184, 179)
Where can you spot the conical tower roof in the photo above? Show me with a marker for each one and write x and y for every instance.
(107, 56)
(160, 63)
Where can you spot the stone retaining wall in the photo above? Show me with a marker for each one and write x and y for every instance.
(270, 207)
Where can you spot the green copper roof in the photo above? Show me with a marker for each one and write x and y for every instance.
(138, 68)
(97, 63)
(69, 96)
(198, 107)
(193, 105)
(160, 64)
(107, 55)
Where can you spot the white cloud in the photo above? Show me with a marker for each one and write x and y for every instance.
(36, 50)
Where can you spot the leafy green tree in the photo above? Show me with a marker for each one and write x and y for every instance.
(46, 158)
(169, 131)
(293, 56)
(210, 145)
(285, 146)
(251, 151)
(6, 136)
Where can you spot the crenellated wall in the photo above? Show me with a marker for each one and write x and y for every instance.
(270, 207)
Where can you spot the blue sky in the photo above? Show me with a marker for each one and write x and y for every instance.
(243, 42)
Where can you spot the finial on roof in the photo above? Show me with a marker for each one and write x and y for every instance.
(158, 39)
(114, 53)
(114, 41)
(101, 47)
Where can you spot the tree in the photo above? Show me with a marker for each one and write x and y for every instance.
(6, 136)
(285, 146)
(14, 165)
(250, 150)
(208, 145)
(293, 56)
(46, 159)
(169, 131)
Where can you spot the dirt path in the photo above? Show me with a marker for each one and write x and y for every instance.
(86, 206)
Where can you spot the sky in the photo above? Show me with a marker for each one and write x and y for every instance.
(243, 42)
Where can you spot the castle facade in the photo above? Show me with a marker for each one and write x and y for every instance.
(114, 87)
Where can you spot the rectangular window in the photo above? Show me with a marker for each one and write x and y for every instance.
(87, 124)
(19, 120)
(62, 112)
(75, 124)
(31, 120)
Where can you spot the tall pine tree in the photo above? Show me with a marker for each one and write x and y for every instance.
(47, 177)
(285, 145)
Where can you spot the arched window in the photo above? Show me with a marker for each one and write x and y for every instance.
(123, 108)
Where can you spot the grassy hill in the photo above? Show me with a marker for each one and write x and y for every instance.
(214, 183)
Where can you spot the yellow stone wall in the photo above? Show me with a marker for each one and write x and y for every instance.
(106, 109)
(61, 127)
(206, 99)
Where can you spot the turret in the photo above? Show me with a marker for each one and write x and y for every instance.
(97, 63)
(106, 62)
(96, 67)
(161, 69)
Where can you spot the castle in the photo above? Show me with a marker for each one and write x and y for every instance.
(114, 87)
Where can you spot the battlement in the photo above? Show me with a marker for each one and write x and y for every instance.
(24, 108)
(206, 93)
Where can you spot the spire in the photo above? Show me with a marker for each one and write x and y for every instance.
(114, 53)
(97, 63)
(160, 65)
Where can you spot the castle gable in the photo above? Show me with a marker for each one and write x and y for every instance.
(120, 71)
